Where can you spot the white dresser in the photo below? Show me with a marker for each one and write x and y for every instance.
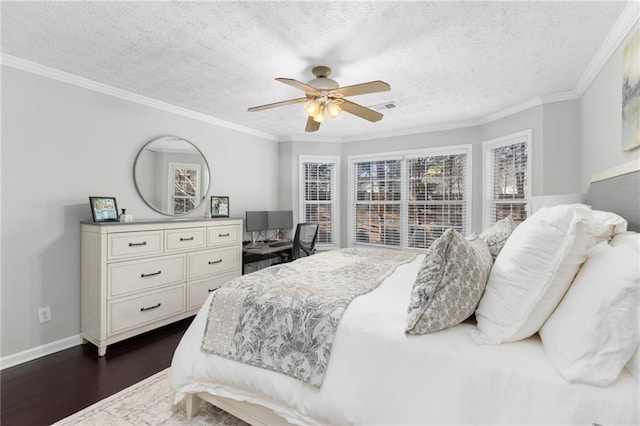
(138, 276)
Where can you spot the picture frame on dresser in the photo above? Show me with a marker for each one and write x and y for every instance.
(219, 206)
(104, 209)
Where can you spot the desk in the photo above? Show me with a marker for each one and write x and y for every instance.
(256, 254)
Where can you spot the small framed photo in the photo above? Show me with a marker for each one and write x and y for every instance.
(219, 206)
(104, 209)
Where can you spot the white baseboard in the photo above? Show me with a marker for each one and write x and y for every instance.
(39, 351)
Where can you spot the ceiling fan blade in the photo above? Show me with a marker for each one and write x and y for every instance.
(299, 85)
(312, 126)
(360, 111)
(277, 104)
(362, 89)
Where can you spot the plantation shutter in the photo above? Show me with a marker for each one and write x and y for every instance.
(507, 174)
(319, 197)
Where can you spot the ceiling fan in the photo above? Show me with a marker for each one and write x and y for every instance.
(325, 97)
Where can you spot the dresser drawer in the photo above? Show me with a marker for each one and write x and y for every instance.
(197, 292)
(139, 275)
(222, 235)
(210, 262)
(133, 244)
(184, 239)
(144, 309)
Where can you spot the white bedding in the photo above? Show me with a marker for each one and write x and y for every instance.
(379, 375)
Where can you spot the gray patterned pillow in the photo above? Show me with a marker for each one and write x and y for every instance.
(496, 235)
(449, 284)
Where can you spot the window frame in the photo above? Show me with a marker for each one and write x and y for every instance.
(335, 191)
(403, 156)
(172, 168)
(488, 167)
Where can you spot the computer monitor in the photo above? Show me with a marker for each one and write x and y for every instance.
(256, 221)
(280, 219)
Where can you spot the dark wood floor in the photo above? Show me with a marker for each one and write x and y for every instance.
(45, 390)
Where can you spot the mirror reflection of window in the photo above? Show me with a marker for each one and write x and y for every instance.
(171, 175)
(185, 187)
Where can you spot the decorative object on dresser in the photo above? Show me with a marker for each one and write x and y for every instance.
(124, 217)
(219, 206)
(104, 209)
(138, 276)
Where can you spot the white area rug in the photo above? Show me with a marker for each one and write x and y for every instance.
(149, 402)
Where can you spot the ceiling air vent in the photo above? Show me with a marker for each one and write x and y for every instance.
(385, 106)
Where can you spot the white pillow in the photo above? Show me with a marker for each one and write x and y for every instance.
(627, 239)
(532, 273)
(594, 331)
(632, 240)
(607, 224)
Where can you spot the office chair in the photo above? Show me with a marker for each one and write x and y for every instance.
(304, 242)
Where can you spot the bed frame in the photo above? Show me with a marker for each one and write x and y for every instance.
(616, 190)
(254, 414)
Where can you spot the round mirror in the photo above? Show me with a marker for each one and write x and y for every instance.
(171, 175)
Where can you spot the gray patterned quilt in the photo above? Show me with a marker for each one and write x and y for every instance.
(284, 318)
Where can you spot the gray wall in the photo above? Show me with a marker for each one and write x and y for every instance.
(561, 124)
(61, 144)
(601, 119)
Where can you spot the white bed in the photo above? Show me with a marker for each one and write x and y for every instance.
(377, 374)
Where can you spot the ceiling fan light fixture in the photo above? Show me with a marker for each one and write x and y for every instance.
(333, 109)
(319, 117)
(324, 97)
(312, 108)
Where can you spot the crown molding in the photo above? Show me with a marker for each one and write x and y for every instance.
(538, 101)
(414, 131)
(624, 24)
(65, 77)
(560, 97)
(531, 103)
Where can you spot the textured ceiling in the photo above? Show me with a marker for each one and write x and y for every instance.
(446, 62)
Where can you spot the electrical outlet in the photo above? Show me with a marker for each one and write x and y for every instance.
(44, 314)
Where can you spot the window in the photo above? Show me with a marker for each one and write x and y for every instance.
(183, 186)
(507, 177)
(319, 197)
(407, 200)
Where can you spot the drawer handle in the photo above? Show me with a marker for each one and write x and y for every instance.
(144, 243)
(151, 307)
(224, 235)
(213, 262)
(186, 239)
(150, 275)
